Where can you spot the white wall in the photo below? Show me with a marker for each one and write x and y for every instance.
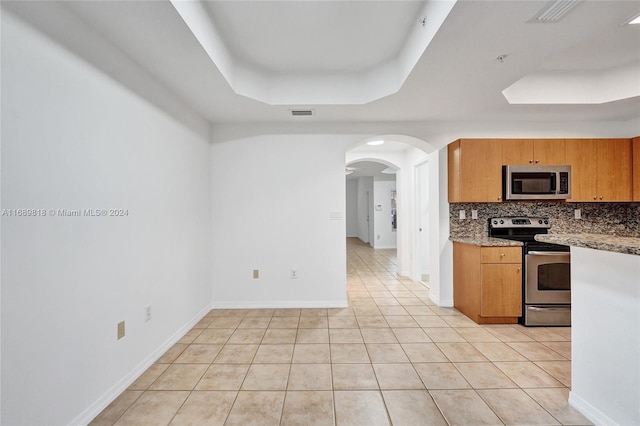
(273, 200)
(74, 139)
(365, 209)
(384, 236)
(605, 336)
(352, 207)
(444, 248)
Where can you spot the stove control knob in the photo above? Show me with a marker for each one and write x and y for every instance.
(495, 222)
(546, 222)
(501, 222)
(540, 221)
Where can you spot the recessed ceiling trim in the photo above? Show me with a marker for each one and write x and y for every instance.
(597, 87)
(330, 88)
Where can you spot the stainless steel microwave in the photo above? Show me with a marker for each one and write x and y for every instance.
(536, 182)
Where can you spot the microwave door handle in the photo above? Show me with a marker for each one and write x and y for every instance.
(554, 185)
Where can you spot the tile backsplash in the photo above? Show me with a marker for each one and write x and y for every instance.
(622, 219)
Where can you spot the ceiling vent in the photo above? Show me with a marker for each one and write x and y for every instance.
(301, 112)
(554, 11)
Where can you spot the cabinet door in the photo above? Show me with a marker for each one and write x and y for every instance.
(636, 169)
(480, 170)
(614, 170)
(582, 155)
(549, 151)
(517, 151)
(501, 290)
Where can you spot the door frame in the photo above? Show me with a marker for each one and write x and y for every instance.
(417, 215)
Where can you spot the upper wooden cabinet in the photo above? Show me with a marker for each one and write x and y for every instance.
(636, 168)
(475, 170)
(601, 169)
(533, 151)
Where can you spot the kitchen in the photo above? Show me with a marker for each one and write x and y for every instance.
(605, 243)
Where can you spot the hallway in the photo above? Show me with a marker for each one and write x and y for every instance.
(392, 357)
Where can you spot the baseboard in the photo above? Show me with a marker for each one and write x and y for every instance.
(281, 304)
(108, 397)
(589, 411)
(443, 303)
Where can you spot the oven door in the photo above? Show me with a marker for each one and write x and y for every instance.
(547, 277)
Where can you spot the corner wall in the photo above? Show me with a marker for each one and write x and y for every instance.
(73, 140)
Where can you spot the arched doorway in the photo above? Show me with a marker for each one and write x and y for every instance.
(416, 164)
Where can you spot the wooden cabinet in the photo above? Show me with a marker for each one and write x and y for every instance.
(501, 290)
(533, 151)
(636, 168)
(475, 170)
(601, 169)
(487, 283)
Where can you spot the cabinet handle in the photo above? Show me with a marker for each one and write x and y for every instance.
(595, 197)
(537, 161)
(530, 161)
(502, 254)
(601, 197)
(499, 197)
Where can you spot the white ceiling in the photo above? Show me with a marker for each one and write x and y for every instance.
(314, 36)
(456, 78)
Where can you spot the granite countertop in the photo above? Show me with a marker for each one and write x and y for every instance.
(484, 241)
(626, 245)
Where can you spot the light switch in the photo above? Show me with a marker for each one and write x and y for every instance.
(463, 215)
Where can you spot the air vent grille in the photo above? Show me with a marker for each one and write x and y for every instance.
(554, 11)
(301, 112)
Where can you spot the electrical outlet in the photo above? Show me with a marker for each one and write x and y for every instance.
(120, 330)
(256, 274)
(577, 213)
(463, 214)
(474, 214)
(147, 312)
(294, 274)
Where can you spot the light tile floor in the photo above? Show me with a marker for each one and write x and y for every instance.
(392, 357)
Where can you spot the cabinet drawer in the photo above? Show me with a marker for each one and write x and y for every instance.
(501, 255)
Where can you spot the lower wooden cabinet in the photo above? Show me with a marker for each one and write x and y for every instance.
(487, 283)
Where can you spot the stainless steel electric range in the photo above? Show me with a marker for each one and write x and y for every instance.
(547, 270)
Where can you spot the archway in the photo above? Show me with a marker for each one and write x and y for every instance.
(416, 161)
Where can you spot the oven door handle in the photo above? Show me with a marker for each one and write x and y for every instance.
(548, 253)
(537, 309)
